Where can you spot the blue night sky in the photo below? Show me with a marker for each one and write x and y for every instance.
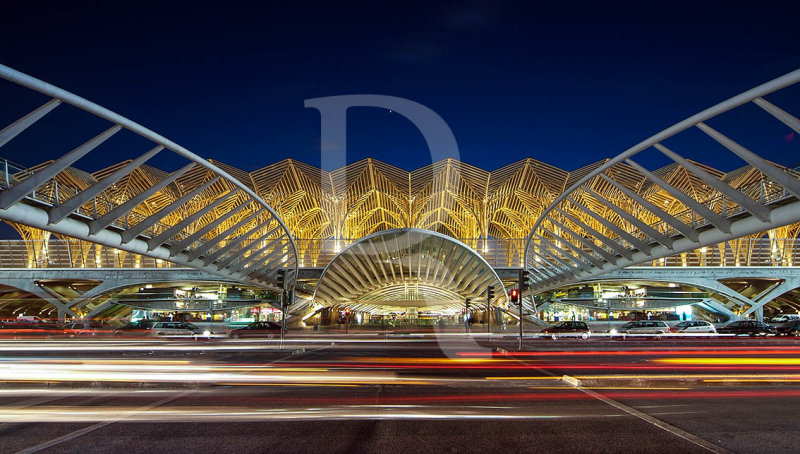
(567, 84)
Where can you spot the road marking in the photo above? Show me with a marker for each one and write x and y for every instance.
(633, 412)
(92, 428)
(656, 422)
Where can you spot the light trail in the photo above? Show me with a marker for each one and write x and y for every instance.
(733, 361)
(450, 406)
(345, 412)
(680, 376)
(771, 350)
(183, 371)
(672, 377)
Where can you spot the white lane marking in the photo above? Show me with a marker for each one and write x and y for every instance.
(657, 422)
(633, 412)
(92, 428)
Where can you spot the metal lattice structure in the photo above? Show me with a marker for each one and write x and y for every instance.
(247, 226)
(407, 267)
(199, 215)
(486, 210)
(620, 213)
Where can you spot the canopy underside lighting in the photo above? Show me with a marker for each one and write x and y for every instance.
(407, 268)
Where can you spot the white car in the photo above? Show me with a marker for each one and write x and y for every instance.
(694, 327)
(650, 327)
(162, 329)
(178, 329)
(783, 318)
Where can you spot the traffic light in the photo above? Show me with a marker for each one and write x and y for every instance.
(525, 279)
(489, 293)
(514, 295)
(281, 279)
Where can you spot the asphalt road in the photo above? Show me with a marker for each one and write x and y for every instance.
(405, 394)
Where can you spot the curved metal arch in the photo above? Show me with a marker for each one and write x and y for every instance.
(73, 211)
(369, 272)
(613, 217)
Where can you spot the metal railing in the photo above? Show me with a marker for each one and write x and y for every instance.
(57, 253)
(628, 303)
(499, 253)
(741, 252)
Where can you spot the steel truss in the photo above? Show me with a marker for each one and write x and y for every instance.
(621, 214)
(199, 216)
(407, 268)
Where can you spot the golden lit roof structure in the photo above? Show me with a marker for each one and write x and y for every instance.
(259, 227)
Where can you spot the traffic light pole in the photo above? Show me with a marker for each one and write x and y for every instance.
(284, 301)
(489, 298)
(521, 296)
(284, 297)
(466, 315)
(520, 324)
(488, 316)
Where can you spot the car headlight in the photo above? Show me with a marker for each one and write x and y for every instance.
(206, 333)
(613, 331)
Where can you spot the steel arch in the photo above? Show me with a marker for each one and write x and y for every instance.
(377, 271)
(229, 230)
(621, 214)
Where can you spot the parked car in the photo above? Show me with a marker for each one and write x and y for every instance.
(87, 329)
(750, 327)
(568, 329)
(24, 330)
(162, 329)
(137, 328)
(642, 327)
(783, 318)
(257, 329)
(694, 327)
(790, 328)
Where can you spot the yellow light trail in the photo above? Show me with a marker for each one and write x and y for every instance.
(395, 360)
(336, 385)
(753, 380)
(523, 378)
(617, 388)
(733, 361)
(662, 377)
